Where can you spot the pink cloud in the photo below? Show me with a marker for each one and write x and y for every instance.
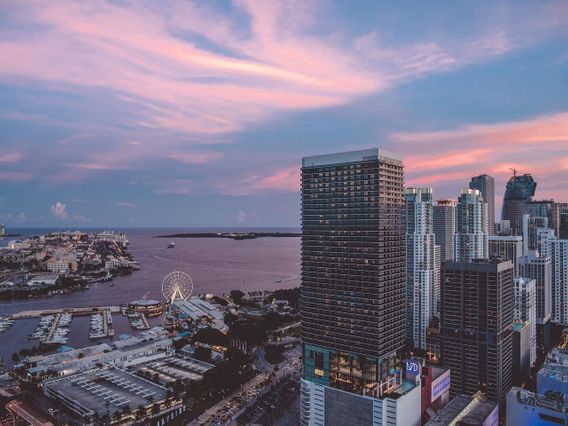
(536, 145)
(550, 130)
(279, 65)
(420, 163)
(282, 180)
(11, 157)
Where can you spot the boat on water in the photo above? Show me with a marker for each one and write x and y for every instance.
(107, 277)
(171, 244)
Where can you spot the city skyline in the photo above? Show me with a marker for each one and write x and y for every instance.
(195, 114)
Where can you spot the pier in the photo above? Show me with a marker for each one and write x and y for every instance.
(101, 325)
(52, 329)
(75, 311)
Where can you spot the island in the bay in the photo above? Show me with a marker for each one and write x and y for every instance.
(232, 235)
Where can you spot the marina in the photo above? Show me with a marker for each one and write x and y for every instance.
(5, 323)
(138, 321)
(248, 265)
(52, 328)
(101, 325)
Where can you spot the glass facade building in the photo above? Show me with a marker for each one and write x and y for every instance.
(353, 270)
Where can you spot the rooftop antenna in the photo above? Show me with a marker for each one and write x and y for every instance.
(514, 171)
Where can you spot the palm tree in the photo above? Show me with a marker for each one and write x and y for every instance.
(140, 412)
(155, 408)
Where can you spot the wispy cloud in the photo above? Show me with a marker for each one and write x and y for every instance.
(537, 145)
(11, 157)
(281, 180)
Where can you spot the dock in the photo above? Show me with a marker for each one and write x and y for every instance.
(74, 311)
(101, 325)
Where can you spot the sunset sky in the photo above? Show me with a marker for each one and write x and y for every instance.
(197, 113)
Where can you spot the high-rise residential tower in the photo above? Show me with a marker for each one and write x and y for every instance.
(471, 237)
(525, 309)
(557, 250)
(563, 226)
(507, 247)
(538, 267)
(520, 190)
(557, 212)
(421, 268)
(529, 230)
(353, 290)
(476, 326)
(486, 185)
(445, 228)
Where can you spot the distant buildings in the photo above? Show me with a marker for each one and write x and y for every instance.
(353, 288)
(520, 190)
(445, 228)
(521, 352)
(525, 408)
(538, 268)
(475, 410)
(507, 247)
(525, 309)
(476, 326)
(558, 211)
(2, 230)
(563, 226)
(471, 237)
(422, 276)
(549, 404)
(557, 250)
(486, 185)
(529, 230)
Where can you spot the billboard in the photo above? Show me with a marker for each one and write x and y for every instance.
(440, 385)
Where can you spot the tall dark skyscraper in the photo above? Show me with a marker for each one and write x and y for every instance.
(476, 326)
(520, 190)
(445, 227)
(353, 283)
(486, 185)
(563, 226)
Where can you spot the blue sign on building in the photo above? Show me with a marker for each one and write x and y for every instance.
(413, 369)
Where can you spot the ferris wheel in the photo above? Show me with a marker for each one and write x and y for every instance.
(177, 285)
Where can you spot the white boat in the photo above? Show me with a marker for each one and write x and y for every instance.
(171, 244)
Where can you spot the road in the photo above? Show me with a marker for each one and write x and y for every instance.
(214, 411)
